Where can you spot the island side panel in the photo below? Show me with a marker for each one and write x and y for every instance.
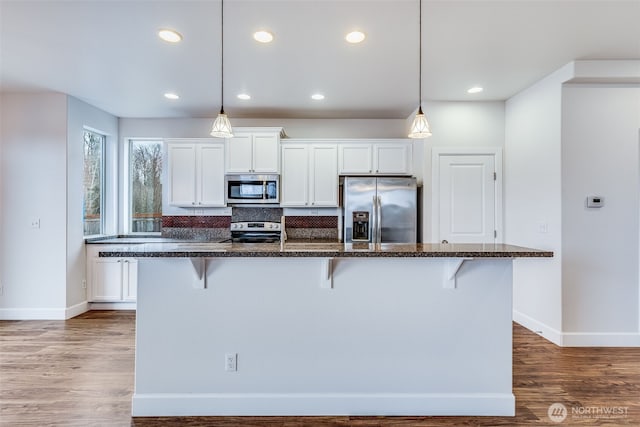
(388, 338)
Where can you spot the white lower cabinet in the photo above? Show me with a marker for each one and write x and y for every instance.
(309, 175)
(112, 280)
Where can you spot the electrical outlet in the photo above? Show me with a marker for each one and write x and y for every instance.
(84, 284)
(35, 222)
(231, 362)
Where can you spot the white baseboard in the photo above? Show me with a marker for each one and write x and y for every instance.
(315, 404)
(32, 314)
(599, 339)
(76, 310)
(578, 339)
(112, 306)
(43, 313)
(539, 328)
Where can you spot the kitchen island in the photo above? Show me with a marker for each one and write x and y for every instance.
(319, 329)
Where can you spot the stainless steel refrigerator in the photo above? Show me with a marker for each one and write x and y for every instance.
(380, 210)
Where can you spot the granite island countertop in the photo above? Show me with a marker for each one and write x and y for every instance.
(326, 250)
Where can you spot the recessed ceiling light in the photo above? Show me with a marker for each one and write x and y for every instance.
(170, 36)
(355, 37)
(475, 89)
(263, 36)
(170, 95)
(317, 96)
(244, 96)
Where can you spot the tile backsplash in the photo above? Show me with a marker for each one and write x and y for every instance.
(216, 228)
(196, 227)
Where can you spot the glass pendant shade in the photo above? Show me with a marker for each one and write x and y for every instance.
(222, 127)
(420, 127)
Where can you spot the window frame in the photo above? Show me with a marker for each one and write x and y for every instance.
(103, 182)
(128, 184)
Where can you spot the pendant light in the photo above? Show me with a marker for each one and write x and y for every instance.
(420, 127)
(221, 126)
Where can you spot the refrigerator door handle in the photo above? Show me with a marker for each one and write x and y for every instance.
(379, 219)
(374, 221)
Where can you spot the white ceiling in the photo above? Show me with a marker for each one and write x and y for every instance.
(107, 52)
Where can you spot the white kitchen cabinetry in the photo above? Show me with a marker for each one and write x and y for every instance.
(110, 280)
(253, 151)
(309, 175)
(391, 157)
(195, 173)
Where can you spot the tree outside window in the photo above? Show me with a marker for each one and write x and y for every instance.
(93, 183)
(145, 172)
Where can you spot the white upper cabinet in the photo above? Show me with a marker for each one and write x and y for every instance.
(254, 150)
(376, 158)
(295, 175)
(309, 175)
(195, 173)
(181, 183)
(323, 175)
(356, 158)
(239, 157)
(210, 174)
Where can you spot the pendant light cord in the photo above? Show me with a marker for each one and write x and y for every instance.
(420, 59)
(222, 54)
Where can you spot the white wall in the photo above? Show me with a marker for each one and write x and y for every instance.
(294, 128)
(600, 156)
(457, 124)
(33, 261)
(532, 200)
(460, 124)
(81, 115)
(567, 138)
(42, 269)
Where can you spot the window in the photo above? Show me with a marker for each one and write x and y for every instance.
(93, 182)
(145, 186)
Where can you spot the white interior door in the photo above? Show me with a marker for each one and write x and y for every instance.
(467, 198)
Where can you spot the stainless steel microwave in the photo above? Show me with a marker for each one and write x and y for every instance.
(251, 188)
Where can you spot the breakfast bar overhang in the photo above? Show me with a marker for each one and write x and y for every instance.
(324, 329)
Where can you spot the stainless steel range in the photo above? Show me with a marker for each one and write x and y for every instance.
(255, 232)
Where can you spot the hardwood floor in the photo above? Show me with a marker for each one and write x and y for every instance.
(80, 373)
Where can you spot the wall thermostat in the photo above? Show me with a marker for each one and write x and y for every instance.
(595, 201)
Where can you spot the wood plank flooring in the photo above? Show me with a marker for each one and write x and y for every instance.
(80, 373)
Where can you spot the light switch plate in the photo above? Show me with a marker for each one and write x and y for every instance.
(595, 201)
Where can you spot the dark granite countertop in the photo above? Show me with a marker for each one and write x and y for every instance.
(330, 250)
(110, 240)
